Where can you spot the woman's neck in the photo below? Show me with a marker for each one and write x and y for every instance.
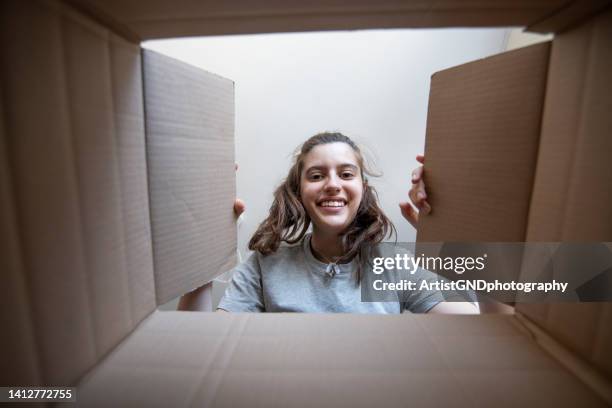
(327, 248)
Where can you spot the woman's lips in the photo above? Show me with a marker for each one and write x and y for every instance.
(331, 210)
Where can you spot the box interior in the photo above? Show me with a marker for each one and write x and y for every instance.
(89, 222)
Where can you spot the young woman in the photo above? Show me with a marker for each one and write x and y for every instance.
(291, 270)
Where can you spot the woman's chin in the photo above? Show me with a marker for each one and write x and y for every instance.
(327, 226)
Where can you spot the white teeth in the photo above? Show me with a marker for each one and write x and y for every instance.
(332, 204)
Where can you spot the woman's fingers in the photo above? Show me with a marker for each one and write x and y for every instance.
(417, 174)
(425, 207)
(409, 213)
(418, 196)
(239, 207)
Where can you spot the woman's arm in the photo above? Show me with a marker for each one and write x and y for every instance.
(198, 300)
(454, 308)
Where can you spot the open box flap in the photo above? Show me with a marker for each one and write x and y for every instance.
(483, 129)
(306, 360)
(572, 192)
(150, 19)
(75, 176)
(192, 181)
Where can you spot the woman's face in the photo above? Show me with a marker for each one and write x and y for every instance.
(331, 187)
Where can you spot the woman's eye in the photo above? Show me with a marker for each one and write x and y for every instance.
(316, 177)
(347, 175)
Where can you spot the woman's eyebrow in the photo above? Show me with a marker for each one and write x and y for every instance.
(320, 168)
(323, 168)
(349, 165)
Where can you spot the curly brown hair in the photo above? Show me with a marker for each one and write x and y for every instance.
(288, 221)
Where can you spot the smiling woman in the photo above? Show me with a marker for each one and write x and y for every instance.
(326, 187)
(293, 271)
(331, 190)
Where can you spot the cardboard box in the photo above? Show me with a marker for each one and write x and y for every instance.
(117, 183)
(536, 178)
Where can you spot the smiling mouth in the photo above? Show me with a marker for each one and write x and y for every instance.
(332, 203)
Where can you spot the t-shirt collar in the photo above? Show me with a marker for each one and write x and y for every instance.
(329, 269)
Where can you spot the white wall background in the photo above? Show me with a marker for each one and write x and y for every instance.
(371, 85)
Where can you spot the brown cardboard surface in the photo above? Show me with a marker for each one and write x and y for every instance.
(573, 184)
(75, 225)
(195, 359)
(583, 369)
(19, 347)
(96, 163)
(128, 109)
(160, 19)
(571, 14)
(603, 338)
(574, 155)
(190, 156)
(483, 129)
(74, 249)
(45, 195)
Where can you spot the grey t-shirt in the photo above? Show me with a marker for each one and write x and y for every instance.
(293, 280)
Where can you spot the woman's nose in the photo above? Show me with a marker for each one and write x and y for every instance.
(333, 183)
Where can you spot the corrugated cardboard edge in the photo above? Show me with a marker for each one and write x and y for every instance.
(569, 16)
(575, 364)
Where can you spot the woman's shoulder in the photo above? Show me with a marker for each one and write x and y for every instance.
(389, 249)
(284, 252)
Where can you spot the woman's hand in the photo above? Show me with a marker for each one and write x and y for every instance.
(239, 205)
(417, 195)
